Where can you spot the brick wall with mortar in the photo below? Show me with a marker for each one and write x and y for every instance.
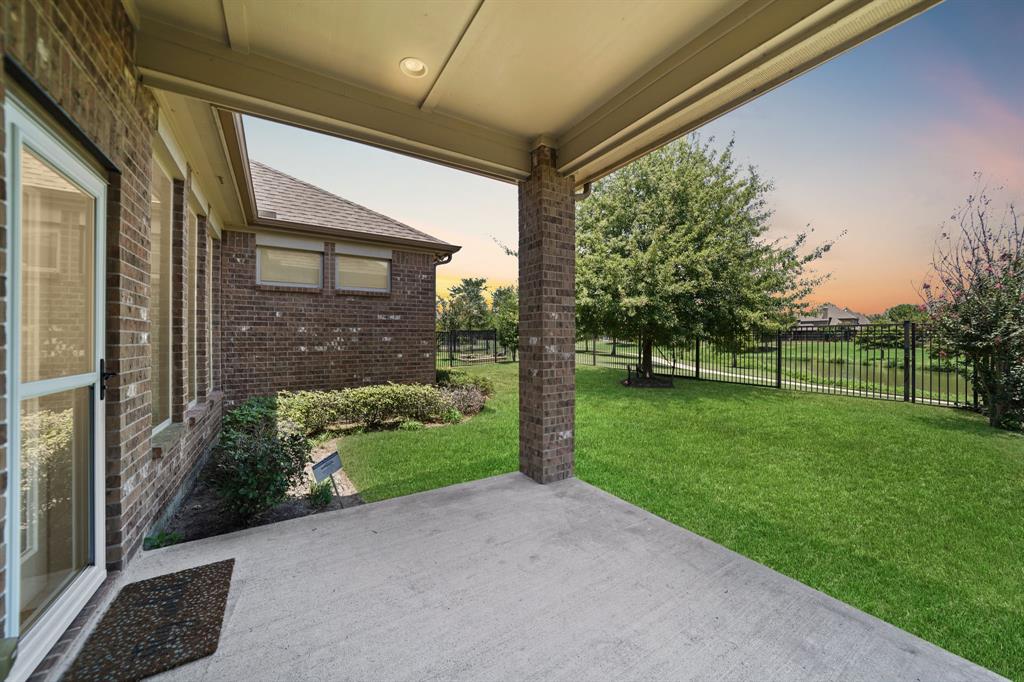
(80, 53)
(547, 321)
(280, 338)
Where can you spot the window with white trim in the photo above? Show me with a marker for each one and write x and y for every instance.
(289, 267)
(362, 273)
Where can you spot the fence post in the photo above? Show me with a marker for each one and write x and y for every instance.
(696, 359)
(913, 362)
(778, 359)
(495, 346)
(906, 361)
(594, 354)
(451, 348)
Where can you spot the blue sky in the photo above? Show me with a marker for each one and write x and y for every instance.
(881, 142)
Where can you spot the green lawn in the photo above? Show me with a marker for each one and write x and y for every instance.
(914, 514)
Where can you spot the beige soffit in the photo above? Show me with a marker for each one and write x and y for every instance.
(191, 127)
(604, 81)
(354, 249)
(283, 241)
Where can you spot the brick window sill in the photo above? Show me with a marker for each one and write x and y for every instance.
(167, 439)
(289, 290)
(173, 433)
(365, 294)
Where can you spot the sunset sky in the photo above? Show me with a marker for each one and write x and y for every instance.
(881, 142)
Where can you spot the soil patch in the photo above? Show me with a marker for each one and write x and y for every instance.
(654, 381)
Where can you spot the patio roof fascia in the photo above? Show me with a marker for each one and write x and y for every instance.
(183, 62)
(688, 90)
(754, 49)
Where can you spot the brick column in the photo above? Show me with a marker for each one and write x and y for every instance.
(547, 321)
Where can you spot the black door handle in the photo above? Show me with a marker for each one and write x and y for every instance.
(104, 377)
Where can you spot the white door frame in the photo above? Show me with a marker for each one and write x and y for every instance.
(25, 128)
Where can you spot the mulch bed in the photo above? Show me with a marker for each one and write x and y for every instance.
(157, 624)
(202, 515)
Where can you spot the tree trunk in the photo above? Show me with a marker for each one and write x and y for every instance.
(735, 360)
(613, 346)
(996, 410)
(646, 359)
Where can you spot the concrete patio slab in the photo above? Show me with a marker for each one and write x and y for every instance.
(505, 579)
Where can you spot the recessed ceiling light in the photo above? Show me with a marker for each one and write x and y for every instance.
(412, 67)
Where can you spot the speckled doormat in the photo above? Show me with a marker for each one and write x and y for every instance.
(157, 624)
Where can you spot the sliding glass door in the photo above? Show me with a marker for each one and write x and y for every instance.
(55, 341)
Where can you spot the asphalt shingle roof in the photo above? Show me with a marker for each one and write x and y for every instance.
(295, 201)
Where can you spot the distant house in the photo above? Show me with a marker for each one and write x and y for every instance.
(830, 315)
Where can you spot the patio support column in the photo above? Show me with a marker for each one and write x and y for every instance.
(547, 320)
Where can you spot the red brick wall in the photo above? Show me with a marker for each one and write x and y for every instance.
(278, 338)
(80, 53)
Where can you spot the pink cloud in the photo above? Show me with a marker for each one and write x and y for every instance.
(980, 128)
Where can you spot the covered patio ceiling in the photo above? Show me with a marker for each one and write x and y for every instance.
(601, 82)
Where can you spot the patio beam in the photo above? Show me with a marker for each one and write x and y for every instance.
(175, 60)
(547, 320)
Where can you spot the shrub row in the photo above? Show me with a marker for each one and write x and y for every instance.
(313, 412)
(263, 448)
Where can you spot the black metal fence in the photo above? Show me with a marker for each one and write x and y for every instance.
(470, 347)
(883, 361)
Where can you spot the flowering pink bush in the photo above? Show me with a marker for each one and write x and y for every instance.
(976, 300)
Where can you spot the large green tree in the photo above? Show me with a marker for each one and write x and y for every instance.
(674, 246)
(904, 312)
(466, 306)
(505, 312)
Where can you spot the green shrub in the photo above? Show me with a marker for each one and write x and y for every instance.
(252, 414)
(161, 539)
(311, 412)
(320, 494)
(375, 406)
(451, 416)
(453, 378)
(444, 376)
(253, 467)
(411, 425)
